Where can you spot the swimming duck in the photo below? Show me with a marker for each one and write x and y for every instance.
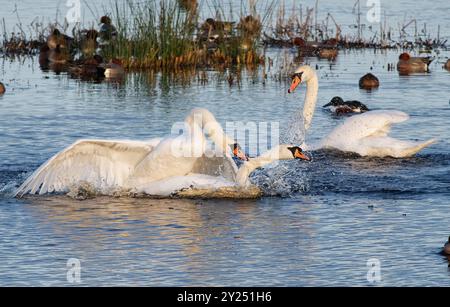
(107, 30)
(447, 65)
(328, 53)
(447, 247)
(88, 69)
(58, 55)
(2, 88)
(58, 39)
(408, 64)
(341, 107)
(306, 48)
(44, 52)
(369, 82)
(114, 69)
(89, 42)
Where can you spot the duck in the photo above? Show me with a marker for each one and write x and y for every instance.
(304, 47)
(369, 82)
(58, 39)
(188, 5)
(338, 106)
(44, 52)
(447, 65)
(107, 30)
(447, 247)
(88, 69)
(89, 42)
(328, 53)
(408, 65)
(58, 55)
(114, 69)
(2, 88)
(364, 134)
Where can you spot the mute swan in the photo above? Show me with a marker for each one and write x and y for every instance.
(366, 134)
(111, 165)
(237, 185)
(339, 106)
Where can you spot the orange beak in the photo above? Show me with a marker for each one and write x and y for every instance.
(302, 156)
(239, 154)
(295, 83)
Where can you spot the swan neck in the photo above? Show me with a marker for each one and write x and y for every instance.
(312, 90)
(249, 167)
(210, 127)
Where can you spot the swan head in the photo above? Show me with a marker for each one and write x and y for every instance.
(239, 153)
(297, 153)
(302, 75)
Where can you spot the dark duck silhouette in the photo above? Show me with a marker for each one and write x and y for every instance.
(88, 69)
(59, 39)
(369, 82)
(340, 107)
(446, 250)
(107, 31)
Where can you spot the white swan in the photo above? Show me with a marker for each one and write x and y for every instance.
(158, 167)
(210, 186)
(366, 134)
(109, 165)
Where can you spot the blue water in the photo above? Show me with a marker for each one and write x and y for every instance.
(317, 226)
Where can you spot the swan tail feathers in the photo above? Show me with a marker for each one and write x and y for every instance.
(411, 151)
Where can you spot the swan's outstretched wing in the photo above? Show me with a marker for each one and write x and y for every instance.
(367, 135)
(102, 164)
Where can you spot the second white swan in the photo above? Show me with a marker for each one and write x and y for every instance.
(366, 134)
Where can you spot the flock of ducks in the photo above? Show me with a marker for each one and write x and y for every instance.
(406, 65)
(57, 53)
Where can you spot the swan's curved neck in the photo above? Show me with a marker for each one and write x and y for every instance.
(273, 155)
(312, 91)
(205, 120)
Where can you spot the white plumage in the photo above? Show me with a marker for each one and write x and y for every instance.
(365, 134)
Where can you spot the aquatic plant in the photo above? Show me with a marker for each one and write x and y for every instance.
(164, 35)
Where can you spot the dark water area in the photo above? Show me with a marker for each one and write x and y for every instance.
(317, 225)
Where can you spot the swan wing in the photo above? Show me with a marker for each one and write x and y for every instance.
(373, 123)
(390, 147)
(367, 135)
(103, 164)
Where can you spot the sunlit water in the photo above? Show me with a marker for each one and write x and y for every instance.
(318, 224)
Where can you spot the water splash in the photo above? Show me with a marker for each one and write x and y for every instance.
(282, 179)
(295, 132)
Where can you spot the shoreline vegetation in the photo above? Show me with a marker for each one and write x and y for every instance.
(170, 35)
